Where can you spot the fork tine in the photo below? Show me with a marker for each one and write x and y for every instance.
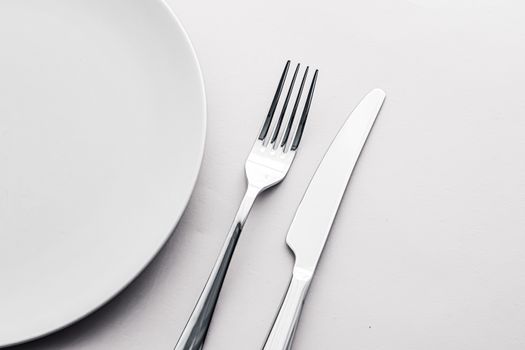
(268, 121)
(285, 105)
(294, 110)
(302, 122)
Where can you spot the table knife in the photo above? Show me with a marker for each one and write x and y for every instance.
(314, 217)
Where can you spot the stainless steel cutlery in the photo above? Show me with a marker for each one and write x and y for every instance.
(314, 217)
(267, 165)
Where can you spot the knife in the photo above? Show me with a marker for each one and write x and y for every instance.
(314, 217)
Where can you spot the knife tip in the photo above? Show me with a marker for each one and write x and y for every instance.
(378, 92)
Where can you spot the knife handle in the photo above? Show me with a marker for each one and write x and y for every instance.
(285, 324)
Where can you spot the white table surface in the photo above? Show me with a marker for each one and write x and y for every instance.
(428, 249)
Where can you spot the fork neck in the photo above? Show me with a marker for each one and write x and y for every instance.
(251, 194)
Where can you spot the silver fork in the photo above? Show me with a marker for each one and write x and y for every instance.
(267, 165)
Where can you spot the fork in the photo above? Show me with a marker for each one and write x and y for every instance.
(267, 165)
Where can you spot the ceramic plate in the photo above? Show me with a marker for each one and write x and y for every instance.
(102, 127)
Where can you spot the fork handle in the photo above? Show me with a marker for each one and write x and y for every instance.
(283, 329)
(194, 333)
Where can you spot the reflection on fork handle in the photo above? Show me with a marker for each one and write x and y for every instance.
(194, 333)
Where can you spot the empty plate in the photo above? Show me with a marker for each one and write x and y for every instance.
(102, 127)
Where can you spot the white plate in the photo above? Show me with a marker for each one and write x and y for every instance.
(102, 127)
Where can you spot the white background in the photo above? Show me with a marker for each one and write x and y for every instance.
(427, 251)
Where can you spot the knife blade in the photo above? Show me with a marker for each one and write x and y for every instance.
(316, 212)
(314, 217)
